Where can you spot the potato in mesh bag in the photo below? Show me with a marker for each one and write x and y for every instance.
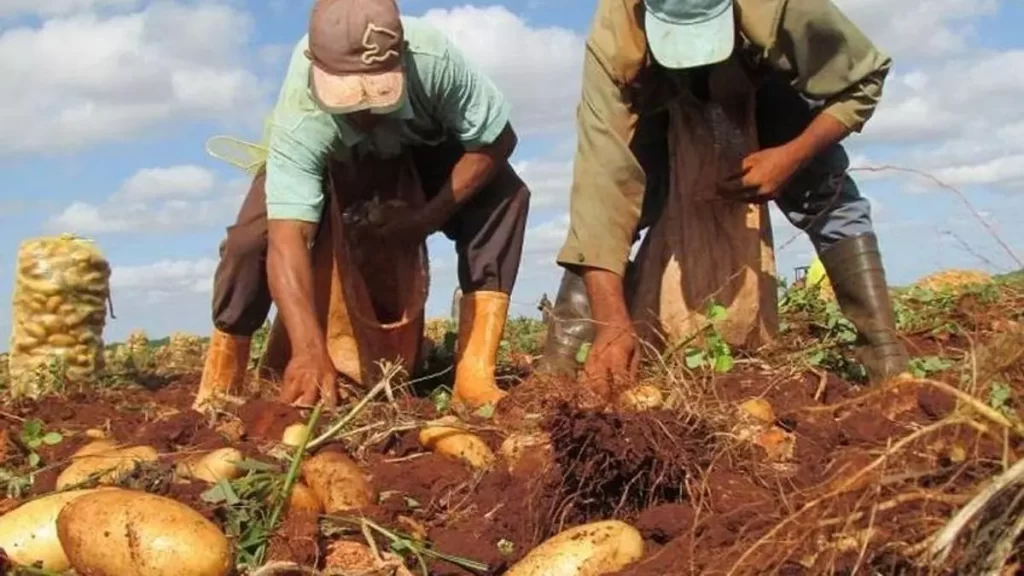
(59, 312)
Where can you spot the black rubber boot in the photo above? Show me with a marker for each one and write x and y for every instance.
(854, 268)
(570, 326)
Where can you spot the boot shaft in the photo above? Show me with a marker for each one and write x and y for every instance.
(855, 270)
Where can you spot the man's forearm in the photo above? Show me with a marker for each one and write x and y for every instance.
(607, 298)
(471, 173)
(290, 272)
(824, 131)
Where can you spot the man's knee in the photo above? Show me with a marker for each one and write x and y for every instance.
(518, 192)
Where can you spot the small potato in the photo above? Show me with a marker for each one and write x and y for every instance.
(53, 304)
(218, 465)
(457, 444)
(338, 482)
(110, 465)
(294, 434)
(303, 498)
(521, 450)
(61, 340)
(760, 409)
(642, 399)
(102, 444)
(588, 550)
(34, 330)
(130, 533)
(28, 534)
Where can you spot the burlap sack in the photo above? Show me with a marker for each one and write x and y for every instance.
(703, 248)
(371, 298)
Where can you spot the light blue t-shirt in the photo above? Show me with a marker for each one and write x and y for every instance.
(445, 96)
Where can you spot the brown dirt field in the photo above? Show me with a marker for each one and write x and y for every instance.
(697, 497)
(839, 478)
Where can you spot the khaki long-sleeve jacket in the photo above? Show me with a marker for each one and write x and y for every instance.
(821, 52)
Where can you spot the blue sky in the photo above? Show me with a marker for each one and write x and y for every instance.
(113, 101)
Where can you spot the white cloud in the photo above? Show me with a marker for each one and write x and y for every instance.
(919, 28)
(550, 182)
(165, 277)
(87, 78)
(58, 7)
(538, 69)
(157, 200)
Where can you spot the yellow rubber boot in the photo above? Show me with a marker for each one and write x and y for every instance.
(227, 360)
(482, 318)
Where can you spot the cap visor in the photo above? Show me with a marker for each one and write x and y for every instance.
(691, 45)
(381, 93)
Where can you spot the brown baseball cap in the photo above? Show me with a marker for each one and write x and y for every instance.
(356, 50)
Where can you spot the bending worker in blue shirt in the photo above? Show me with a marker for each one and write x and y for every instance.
(366, 78)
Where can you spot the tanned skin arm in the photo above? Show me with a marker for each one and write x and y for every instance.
(471, 172)
(607, 298)
(290, 272)
(824, 131)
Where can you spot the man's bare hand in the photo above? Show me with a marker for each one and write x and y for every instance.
(763, 175)
(308, 378)
(613, 361)
(399, 223)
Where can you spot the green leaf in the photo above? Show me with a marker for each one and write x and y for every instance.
(717, 312)
(33, 459)
(583, 353)
(485, 411)
(221, 493)
(724, 363)
(251, 465)
(399, 545)
(694, 358)
(441, 398)
(52, 438)
(1000, 395)
(32, 429)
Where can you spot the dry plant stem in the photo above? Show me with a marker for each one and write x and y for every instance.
(978, 406)
(388, 373)
(1006, 545)
(944, 540)
(903, 443)
(951, 499)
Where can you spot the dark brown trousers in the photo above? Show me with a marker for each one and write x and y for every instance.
(488, 232)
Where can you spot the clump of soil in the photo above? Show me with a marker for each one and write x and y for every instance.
(615, 465)
(297, 539)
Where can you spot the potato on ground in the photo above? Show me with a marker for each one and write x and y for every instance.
(457, 444)
(338, 482)
(588, 550)
(28, 534)
(294, 435)
(527, 453)
(302, 499)
(218, 465)
(642, 398)
(118, 532)
(106, 460)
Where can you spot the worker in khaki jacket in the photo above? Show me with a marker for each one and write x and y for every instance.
(367, 82)
(817, 79)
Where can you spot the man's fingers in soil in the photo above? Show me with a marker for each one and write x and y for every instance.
(329, 393)
(291, 391)
(310, 392)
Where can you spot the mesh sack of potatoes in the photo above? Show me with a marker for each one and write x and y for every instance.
(59, 312)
